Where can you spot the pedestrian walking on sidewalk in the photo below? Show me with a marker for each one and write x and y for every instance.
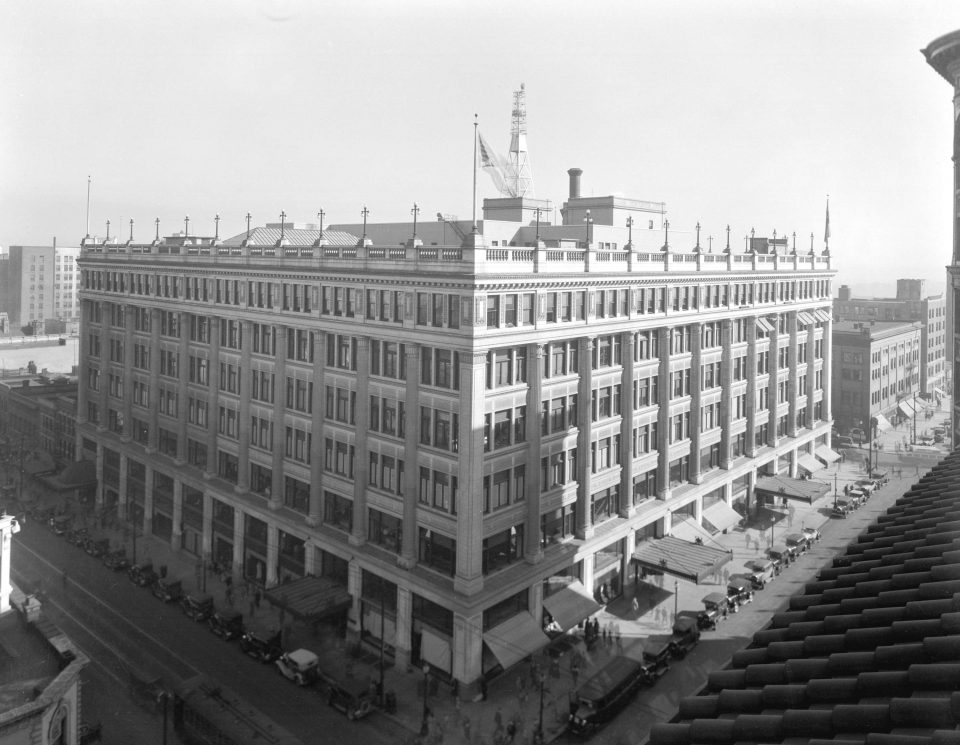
(635, 606)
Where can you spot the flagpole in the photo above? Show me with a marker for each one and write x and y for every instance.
(826, 232)
(475, 124)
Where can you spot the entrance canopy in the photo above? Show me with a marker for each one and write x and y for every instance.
(904, 408)
(721, 516)
(809, 463)
(571, 604)
(310, 598)
(778, 487)
(682, 559)
(515, 639)
(827, 455)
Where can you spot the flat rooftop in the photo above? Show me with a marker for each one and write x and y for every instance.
(28, 662)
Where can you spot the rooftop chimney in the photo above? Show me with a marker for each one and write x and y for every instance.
(575, 182)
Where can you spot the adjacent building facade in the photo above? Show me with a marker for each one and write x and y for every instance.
(39, 287)
(910, 304)
(876, 372)
(463, 426)
(943, 54)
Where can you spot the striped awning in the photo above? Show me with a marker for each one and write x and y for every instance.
(822, 315)
(905, 408)
(805, 318)
(883, 424)
(764, 325)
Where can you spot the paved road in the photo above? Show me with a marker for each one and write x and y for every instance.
(687, 677)
(124, 628)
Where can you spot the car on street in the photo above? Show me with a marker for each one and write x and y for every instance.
(811, 534)
(686, 634)
(797, 541)
(116, 560)
(262, 646)
(856, 434)
(227, 623)
(867, 486)
(841, 509)
(844, 441)
(97, 548)
(301, 666)
(142, 574)
(167, 590)
(715, 608)
(656, 660)
(351, 697)
(739, 591)
(197, 606)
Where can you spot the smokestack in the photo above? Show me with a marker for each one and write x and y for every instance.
(575, 182)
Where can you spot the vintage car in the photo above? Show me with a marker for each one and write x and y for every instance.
(760, 571)
(811, 534)
(797, 541)
(197, 606)
(301, 666)
(739, 591)
(227, 623)
(59, 525)
(167, 590)
(97, 548)
(783, 554)
(715, 609)
(351, 697)
(656, 660)
(142, 574)
(262, 646)
(841, 508)
(116, 560)
(686, 634)
(867, 486)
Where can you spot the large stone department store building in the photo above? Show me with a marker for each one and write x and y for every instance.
(459, 427)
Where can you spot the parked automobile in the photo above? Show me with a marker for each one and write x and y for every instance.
(167, 590)
(760, 571)
(351, 697)
(77, 537)
(686, 634)
(841, 509)
(811, 534)
(867, 486)
(197, 606)
(97, 548)
(116, 560)
(843, 441)
(300, 666)
(739, 591)
(856, 497)
(262, 646)
(142, 574)
(227, 623)
(656, 660)
(59, 525)
(782, 554)
(602, 696)
(797, 541)
(715, 609)
(856, 434)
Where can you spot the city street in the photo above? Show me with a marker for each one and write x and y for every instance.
(128, 632)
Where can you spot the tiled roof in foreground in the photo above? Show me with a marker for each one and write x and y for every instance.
(868, 653)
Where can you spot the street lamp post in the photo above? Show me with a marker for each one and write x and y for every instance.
(676, 599)
(426, 711)
(539, 737)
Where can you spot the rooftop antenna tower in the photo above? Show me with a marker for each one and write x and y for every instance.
(519, 170)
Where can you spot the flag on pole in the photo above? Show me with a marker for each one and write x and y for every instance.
(494, 165)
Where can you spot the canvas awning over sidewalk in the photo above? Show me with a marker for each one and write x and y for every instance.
(809, 463)
(680, 558)
(570, 605)
(514, 639)
(310, 598)
(827, 455)
(784, 487)
(721, 516)
(883, 424)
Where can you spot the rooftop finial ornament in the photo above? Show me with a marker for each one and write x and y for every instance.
(536, 213)
(216, 228)
(131, 230)
(186, 225)
(108, 231)
(826, 231)
(249, 217)
(320, 215)
(156, 225)
(415, 211)
(727, 249)
(794, 251)
(697, 247)
(630, 230)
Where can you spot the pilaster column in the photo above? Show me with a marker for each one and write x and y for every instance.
(279, 423)
(663, 414)
(176, 536)
(213, 411)
(627, 380)
(404, 627)
(273, 539)
(468, 649)
(726, 391)
(696, 374)
(809, 338)
(148, 501)
(361, 464)
(183, 396)
(535, 357)
(238, 524)
(246, 376)
(98, 499)
(773, 383)
(83, 383)
(106, 336)
(469, 571)
(315, 513)
(155, 353)
(206, 537)
(751, 398)
(128, 316)
(584, 426)
(411, 470)
(827, 368)
(793, 390)
(123, 498)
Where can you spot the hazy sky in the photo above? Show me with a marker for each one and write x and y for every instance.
(747, 113)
